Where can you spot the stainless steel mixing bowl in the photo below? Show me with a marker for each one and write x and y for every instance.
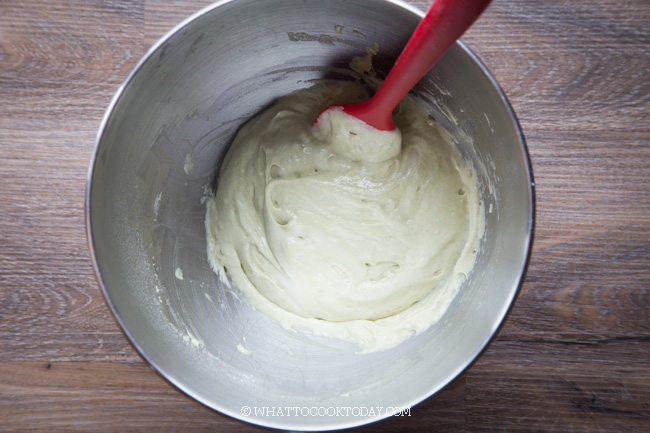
(158, 148)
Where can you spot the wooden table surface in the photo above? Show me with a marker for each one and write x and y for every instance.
(574, 355)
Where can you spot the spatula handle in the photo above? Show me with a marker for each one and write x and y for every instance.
(443, 24)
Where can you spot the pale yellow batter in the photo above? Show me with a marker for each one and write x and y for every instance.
(340, 229)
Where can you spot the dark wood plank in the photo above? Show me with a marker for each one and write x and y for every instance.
(573, 354)
(66, 42)
(556, 386)
(99, 397)
(568, 65)
(59, 68)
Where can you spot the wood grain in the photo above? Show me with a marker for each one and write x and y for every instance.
(573, 355)
(60, 66)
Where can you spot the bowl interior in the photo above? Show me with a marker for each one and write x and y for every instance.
(160, 147)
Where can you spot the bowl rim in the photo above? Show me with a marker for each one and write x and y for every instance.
(273, 422)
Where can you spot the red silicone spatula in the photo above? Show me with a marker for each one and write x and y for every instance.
(444, 22)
